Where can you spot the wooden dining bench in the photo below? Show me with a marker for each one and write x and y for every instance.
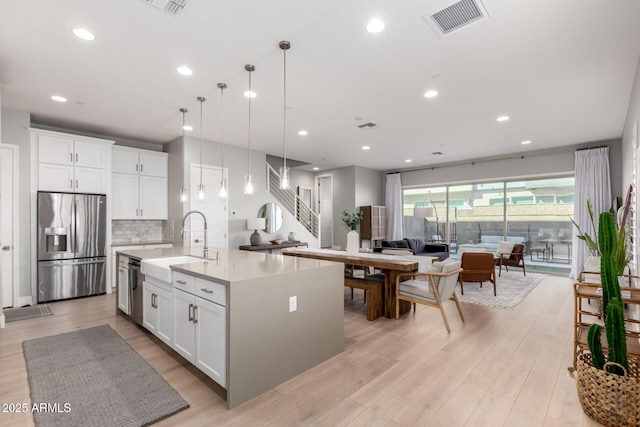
(374, 290)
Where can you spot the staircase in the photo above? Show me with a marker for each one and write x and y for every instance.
(294, 204)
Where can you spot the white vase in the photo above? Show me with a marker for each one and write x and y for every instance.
(353, 242)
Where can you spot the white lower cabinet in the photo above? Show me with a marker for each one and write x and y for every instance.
(201, 331)
(157, 311)
(123, 287)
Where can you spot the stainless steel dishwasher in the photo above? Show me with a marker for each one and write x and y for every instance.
(135, 290)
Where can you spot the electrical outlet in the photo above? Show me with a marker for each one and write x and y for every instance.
(293, 303)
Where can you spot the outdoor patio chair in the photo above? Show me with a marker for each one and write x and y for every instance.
(515, 259)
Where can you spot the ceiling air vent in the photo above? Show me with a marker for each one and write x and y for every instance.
(368, 126)
(172, 7)
(455, 16)
(437, 153)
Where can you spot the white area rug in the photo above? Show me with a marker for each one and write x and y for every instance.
(512, 287)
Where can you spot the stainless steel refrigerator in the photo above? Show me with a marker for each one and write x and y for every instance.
(71, 245)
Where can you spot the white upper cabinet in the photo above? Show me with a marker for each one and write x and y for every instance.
(143, 162)
(139, 183)
(71, 163)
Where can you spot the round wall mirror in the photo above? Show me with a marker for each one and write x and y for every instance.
(273, 215)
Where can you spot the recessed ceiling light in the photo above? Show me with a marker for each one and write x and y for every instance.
(59, 98)
(408, 161)
(316, 168)
(502, 118)
(84, 34)
(365, 147)
(250, 94)
(184, 70)
(431, 93)
(525, 142)
(375, 26)
(187, 127)
(303, 133)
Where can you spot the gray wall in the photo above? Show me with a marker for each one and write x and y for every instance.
(369, 188)
(533, 164)
(14, 131)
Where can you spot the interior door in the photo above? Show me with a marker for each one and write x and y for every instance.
(213, 207)
(325, 208)
(8, 242)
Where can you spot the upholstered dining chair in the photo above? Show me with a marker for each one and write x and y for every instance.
(439, 286)
(478, 267)
(513, 259)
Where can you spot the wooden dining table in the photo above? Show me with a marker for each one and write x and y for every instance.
(391, 265)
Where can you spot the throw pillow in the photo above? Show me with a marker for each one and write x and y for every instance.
(438, 267)
(504, 249)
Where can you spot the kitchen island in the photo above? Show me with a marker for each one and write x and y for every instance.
(280, 316)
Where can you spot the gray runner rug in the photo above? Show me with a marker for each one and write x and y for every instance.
(92, 377)
(511, 288)
(23, 313)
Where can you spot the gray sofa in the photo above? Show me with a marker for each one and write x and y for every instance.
(417, 246)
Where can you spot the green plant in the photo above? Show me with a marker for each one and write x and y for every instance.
(611, 297)
(621, 255)
(352, 220)
(591, 243)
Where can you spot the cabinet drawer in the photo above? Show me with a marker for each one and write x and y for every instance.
(211, 291)
(184, 282)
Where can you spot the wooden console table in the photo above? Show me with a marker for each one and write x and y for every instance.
(270, 247)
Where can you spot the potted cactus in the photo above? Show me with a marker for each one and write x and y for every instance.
(608, 386)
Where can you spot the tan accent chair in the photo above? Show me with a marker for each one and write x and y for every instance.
(432, 292)
(515, 259)
(478, 267)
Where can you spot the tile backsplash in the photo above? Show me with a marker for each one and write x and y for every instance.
(141, 231)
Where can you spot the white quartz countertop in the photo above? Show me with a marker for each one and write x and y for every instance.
(232, 264)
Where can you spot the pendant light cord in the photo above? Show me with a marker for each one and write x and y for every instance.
(222, 86)
(249, 130)
(201, 99)
(284, 112)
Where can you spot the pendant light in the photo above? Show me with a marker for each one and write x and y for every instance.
(202, 99)
(248, 184)
(223, 182)
(284, 170)
(183, 191)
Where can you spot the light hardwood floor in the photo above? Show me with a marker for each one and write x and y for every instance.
(501, 368)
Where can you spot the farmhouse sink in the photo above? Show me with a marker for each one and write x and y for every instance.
(159, 268)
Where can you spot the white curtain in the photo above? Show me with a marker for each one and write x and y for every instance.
(592, 182)
(393, 200)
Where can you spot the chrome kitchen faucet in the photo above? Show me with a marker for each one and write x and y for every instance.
(183, 234)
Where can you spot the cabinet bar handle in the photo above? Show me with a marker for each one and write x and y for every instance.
(76, 183)
(140, 212)
(70, 183)
(154, 300)
(190, 312)
(182, 282)
(136, 167)
(136, 212)
(76, 157)
(71, 157)
(141, 167)
(208, 291)
(195, 314)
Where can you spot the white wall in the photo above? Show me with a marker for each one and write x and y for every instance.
(633, 117)
(14, 131)
(244, 206)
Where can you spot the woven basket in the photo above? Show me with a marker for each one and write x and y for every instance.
(613, 400)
